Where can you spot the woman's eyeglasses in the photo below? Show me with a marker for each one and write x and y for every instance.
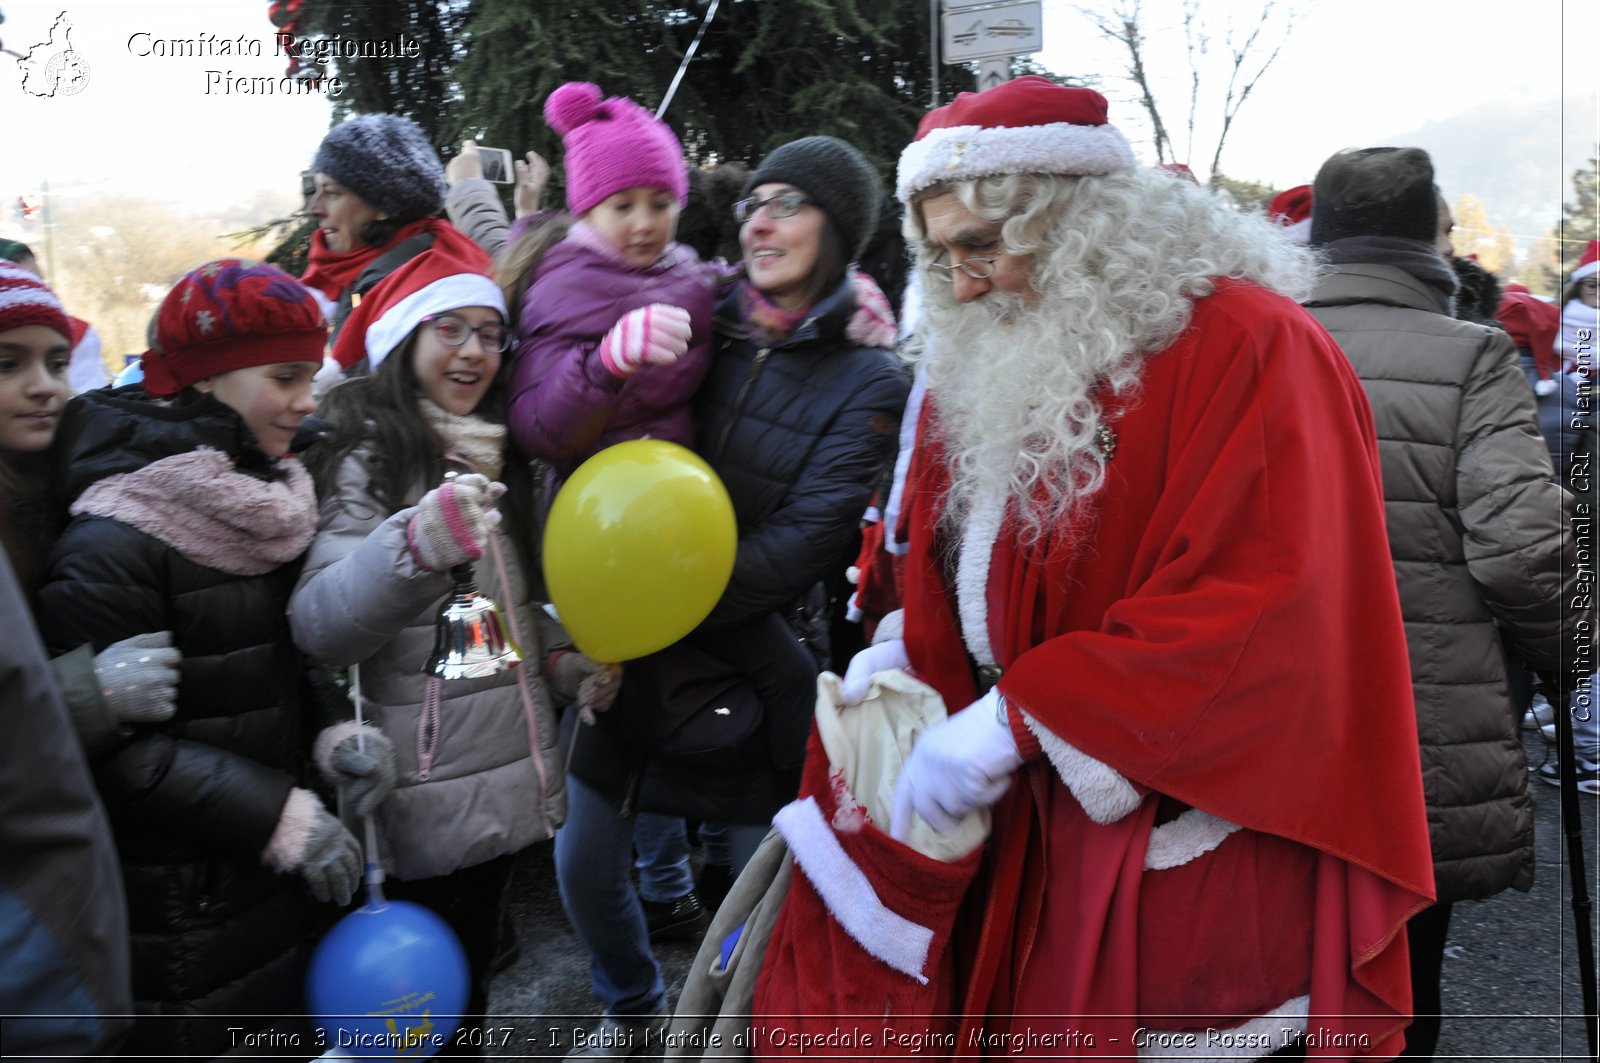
(782, 205)
(978, 267)
(453, 331)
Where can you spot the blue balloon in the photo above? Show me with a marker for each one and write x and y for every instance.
(389, 980)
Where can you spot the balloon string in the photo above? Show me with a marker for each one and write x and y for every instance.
(373, 870)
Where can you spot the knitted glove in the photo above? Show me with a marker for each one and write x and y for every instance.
(312, 844)
(453, 521)
(590, 685)
(139, 677)
(872, 325)
(960, 763)
(882, 657)
(364, 776)
(657, 334)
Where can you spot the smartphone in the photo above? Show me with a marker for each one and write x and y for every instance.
(497, 165)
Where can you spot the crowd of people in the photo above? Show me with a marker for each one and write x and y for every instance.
(1183, 519)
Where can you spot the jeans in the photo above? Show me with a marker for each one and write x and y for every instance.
(661, 843)
(731, 844)
(594, 858)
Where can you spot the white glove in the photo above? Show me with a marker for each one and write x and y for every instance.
(961, 763)
(884, 657)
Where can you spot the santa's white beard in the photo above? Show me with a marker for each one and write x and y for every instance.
(1017, 388)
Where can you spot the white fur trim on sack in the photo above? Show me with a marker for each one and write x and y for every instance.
(1256, 1039)
(961, 152)
(885, 934)
(447, 293)
(1105, 794)
(1188, 837)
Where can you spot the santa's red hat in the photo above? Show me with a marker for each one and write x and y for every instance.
(1589, 264)
(1027, 125)
(449, 275)
(1533, 323)
(1291, 209)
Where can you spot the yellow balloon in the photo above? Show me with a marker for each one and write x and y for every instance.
(638, 547)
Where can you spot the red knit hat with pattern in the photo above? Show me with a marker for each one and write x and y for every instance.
(27, 300)
(231, 314)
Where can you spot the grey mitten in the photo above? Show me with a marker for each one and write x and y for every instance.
(139, 677)
(591, 685)
(311, 843)
(359, 760)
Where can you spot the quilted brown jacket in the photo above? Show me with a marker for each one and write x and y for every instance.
(1477, 524)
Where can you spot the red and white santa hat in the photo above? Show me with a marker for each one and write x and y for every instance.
(1589, 264)
(445, 277)
(1291, 209)
(1027, 125)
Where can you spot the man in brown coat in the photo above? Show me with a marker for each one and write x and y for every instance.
(1476, 522)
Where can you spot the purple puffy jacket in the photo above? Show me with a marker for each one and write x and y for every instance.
(565, 405)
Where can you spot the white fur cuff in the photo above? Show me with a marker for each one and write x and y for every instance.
(328, 741)
(1104, 793)
(892, 626)
(288, 844)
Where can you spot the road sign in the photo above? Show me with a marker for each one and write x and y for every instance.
(957, 5)
(991, 32)
(992, 72)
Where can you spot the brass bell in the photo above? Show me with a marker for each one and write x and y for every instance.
(470, 637)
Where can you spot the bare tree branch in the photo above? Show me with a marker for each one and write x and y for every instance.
(1233, 102)
(1196, 42)
(1122, 26)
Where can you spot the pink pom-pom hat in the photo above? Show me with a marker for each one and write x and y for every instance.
(612, 145)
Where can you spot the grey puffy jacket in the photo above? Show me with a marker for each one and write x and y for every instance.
(1476, 528)
(363, 600)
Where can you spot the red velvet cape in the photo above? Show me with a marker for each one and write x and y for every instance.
(1228, 635)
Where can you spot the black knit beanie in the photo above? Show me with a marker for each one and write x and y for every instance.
(1409, 211)
(387, 161)
(838, 179)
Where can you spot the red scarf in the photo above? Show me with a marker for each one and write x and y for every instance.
(333, 272)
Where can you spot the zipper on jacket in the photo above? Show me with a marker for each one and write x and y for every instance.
(739, 401)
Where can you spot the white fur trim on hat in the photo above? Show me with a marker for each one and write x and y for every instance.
(1588, 269)
(447, 293)
(961, 152)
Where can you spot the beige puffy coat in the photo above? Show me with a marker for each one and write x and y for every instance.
(1476, 527)
(363, 600)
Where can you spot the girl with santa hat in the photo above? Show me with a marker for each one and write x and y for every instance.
(460, 775)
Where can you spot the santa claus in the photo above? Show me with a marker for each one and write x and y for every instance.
(1149, 577)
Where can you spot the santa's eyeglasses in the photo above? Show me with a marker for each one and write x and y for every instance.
(978, 267)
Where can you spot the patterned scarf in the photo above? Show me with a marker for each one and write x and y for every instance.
(469, 438)
(769, 322)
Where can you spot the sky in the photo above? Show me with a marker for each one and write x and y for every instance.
(1352, 73)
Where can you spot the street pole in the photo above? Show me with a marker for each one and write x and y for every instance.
(933, 49)
(49, 231)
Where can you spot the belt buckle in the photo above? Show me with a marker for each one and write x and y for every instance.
(988, 676)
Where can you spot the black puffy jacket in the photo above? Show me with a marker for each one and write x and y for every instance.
(194, 800)
(799, 432)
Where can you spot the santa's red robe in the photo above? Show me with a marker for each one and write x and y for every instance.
(1217, 665)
